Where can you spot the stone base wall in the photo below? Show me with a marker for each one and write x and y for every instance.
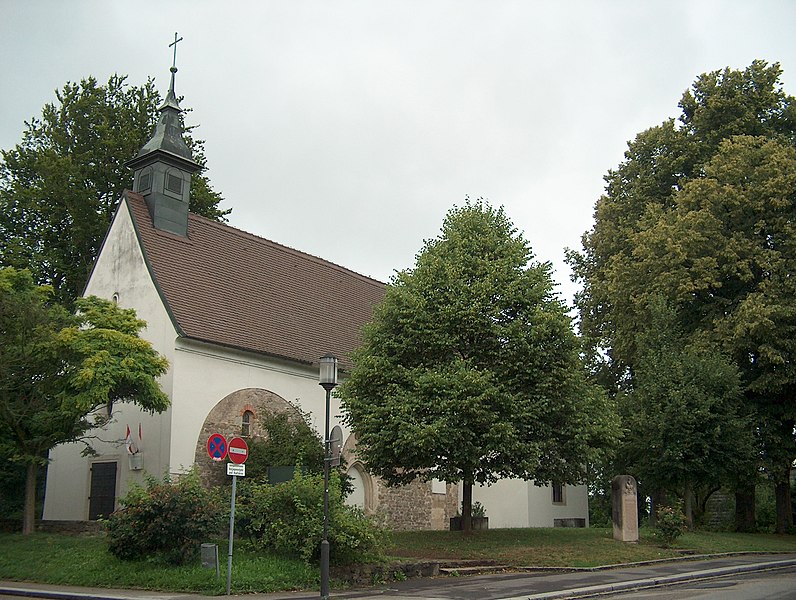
(70, 527)
(415, 506)
(405, 508)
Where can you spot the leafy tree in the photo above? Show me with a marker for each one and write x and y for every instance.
(701, 213)
(685, 426)
(60, 186)
(470, 370)
(61, 373)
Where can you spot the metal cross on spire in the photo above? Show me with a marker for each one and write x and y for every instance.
(174, 43)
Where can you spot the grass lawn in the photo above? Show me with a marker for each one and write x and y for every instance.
(571, 547)
(85, 561)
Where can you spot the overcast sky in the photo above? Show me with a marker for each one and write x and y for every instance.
(348, 129)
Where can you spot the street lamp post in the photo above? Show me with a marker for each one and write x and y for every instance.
(327, 380)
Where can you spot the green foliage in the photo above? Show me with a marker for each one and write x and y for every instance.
(478, 510)
(60, 186)
(670, 524)
(285, 441)
(684, 416)
(470, 370)
(57, 368)
(702, 215)
(765, 507)
(168, 519)
(288, 519)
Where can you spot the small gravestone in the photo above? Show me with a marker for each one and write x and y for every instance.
(625, 508)
(210, 557)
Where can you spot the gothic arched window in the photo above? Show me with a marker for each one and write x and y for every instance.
(246, 423)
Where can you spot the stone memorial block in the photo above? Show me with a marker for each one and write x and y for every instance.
(625, 508)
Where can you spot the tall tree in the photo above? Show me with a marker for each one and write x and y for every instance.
(61, 373)
(60, 186)
(685, 426)
(700, 214)
(470, 370)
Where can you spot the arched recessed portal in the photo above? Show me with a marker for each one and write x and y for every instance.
(357, 496)
(238, 413)
(362, 485)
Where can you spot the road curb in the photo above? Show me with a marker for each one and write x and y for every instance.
(32, 592)
(638, 584)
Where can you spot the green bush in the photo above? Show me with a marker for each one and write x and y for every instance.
(165, 519)
(765, 506)
(288, 519)
(286, 440)
(671, 523)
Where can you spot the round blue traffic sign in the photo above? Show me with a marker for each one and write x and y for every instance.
(217, 446)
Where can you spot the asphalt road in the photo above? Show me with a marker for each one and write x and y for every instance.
(762, 585)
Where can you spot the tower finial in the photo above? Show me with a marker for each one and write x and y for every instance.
(171, 97)
(174, 61)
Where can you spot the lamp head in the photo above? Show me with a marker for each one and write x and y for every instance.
(328, 372)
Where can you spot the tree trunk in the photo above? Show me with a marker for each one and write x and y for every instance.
(745, 509)
(688, 506)
(467, 506)
(783, 499)
(29, 511)
(703, 503)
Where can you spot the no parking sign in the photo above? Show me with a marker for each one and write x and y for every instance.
(217, 446)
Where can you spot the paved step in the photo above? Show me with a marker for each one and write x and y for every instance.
(474, 570)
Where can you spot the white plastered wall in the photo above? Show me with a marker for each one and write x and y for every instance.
(120, 272)
(518, 503)
(200, 375)
(205, 374)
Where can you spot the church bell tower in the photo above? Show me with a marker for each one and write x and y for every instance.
(163, 167)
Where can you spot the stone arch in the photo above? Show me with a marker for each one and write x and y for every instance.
(365, 491)
(226, 418)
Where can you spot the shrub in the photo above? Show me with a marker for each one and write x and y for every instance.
(671, 523)
(165, 519)
(477, 510)
(288, 519)
(286, 440)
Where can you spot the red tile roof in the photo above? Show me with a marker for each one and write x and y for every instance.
(225, 286)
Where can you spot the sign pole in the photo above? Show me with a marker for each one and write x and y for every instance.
(238, 452)
(231, 532)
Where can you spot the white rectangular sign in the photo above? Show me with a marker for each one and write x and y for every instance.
(233, 469)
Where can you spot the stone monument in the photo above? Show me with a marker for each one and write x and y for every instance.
(625, 508)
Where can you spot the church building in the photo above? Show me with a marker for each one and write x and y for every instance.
(242, 321)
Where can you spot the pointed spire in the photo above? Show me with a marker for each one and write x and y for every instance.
(168, 131)
(171, 98)
(163, 166)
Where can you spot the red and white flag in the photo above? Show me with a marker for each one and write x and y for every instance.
(128, 441)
